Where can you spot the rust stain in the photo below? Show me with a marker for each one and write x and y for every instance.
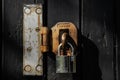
(55, 33)
(37, 29)
(38, 20)
(29, 49)
(44, 39)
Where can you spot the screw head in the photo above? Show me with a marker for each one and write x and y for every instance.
(27, 11)
(38, 10)
(39, 68)
(27, 68)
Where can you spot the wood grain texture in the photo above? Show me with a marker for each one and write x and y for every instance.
(96, 58)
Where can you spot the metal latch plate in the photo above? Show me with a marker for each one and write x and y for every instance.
(32, 56)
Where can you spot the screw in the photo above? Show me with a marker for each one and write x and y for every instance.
(38, 68)
(38, 10)
(28, 68)
(27, 11)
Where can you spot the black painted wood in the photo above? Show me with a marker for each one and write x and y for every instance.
(97, 57)
(98, 26)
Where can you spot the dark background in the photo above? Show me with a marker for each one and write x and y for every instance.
(99, 52)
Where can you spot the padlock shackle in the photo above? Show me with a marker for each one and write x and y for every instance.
(68, 44)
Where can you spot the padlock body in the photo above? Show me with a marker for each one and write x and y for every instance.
(65, 64)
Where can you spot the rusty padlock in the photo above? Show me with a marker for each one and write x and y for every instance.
(64, 40)
(66, 63)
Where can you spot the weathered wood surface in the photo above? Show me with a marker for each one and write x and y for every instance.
(96, 22)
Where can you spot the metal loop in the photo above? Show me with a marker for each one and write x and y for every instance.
(68, 44)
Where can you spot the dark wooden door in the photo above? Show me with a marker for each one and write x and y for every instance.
(98, 57)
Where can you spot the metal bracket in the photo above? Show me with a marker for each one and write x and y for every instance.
(32, 55)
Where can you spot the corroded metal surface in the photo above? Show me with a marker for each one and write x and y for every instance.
(32, 56)
(44, 39)
(65, 64)
(62, 35)
(56, 32)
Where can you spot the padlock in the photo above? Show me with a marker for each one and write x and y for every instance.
(65, 59)
(64, 45)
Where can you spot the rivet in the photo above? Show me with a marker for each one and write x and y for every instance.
(38, 10)
(39, 68)
(27, 11)
(27, 68)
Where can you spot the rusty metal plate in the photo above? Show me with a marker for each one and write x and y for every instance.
(32, 56)
(56, 30)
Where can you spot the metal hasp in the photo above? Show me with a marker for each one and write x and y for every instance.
(64, 44)
(32, 55)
